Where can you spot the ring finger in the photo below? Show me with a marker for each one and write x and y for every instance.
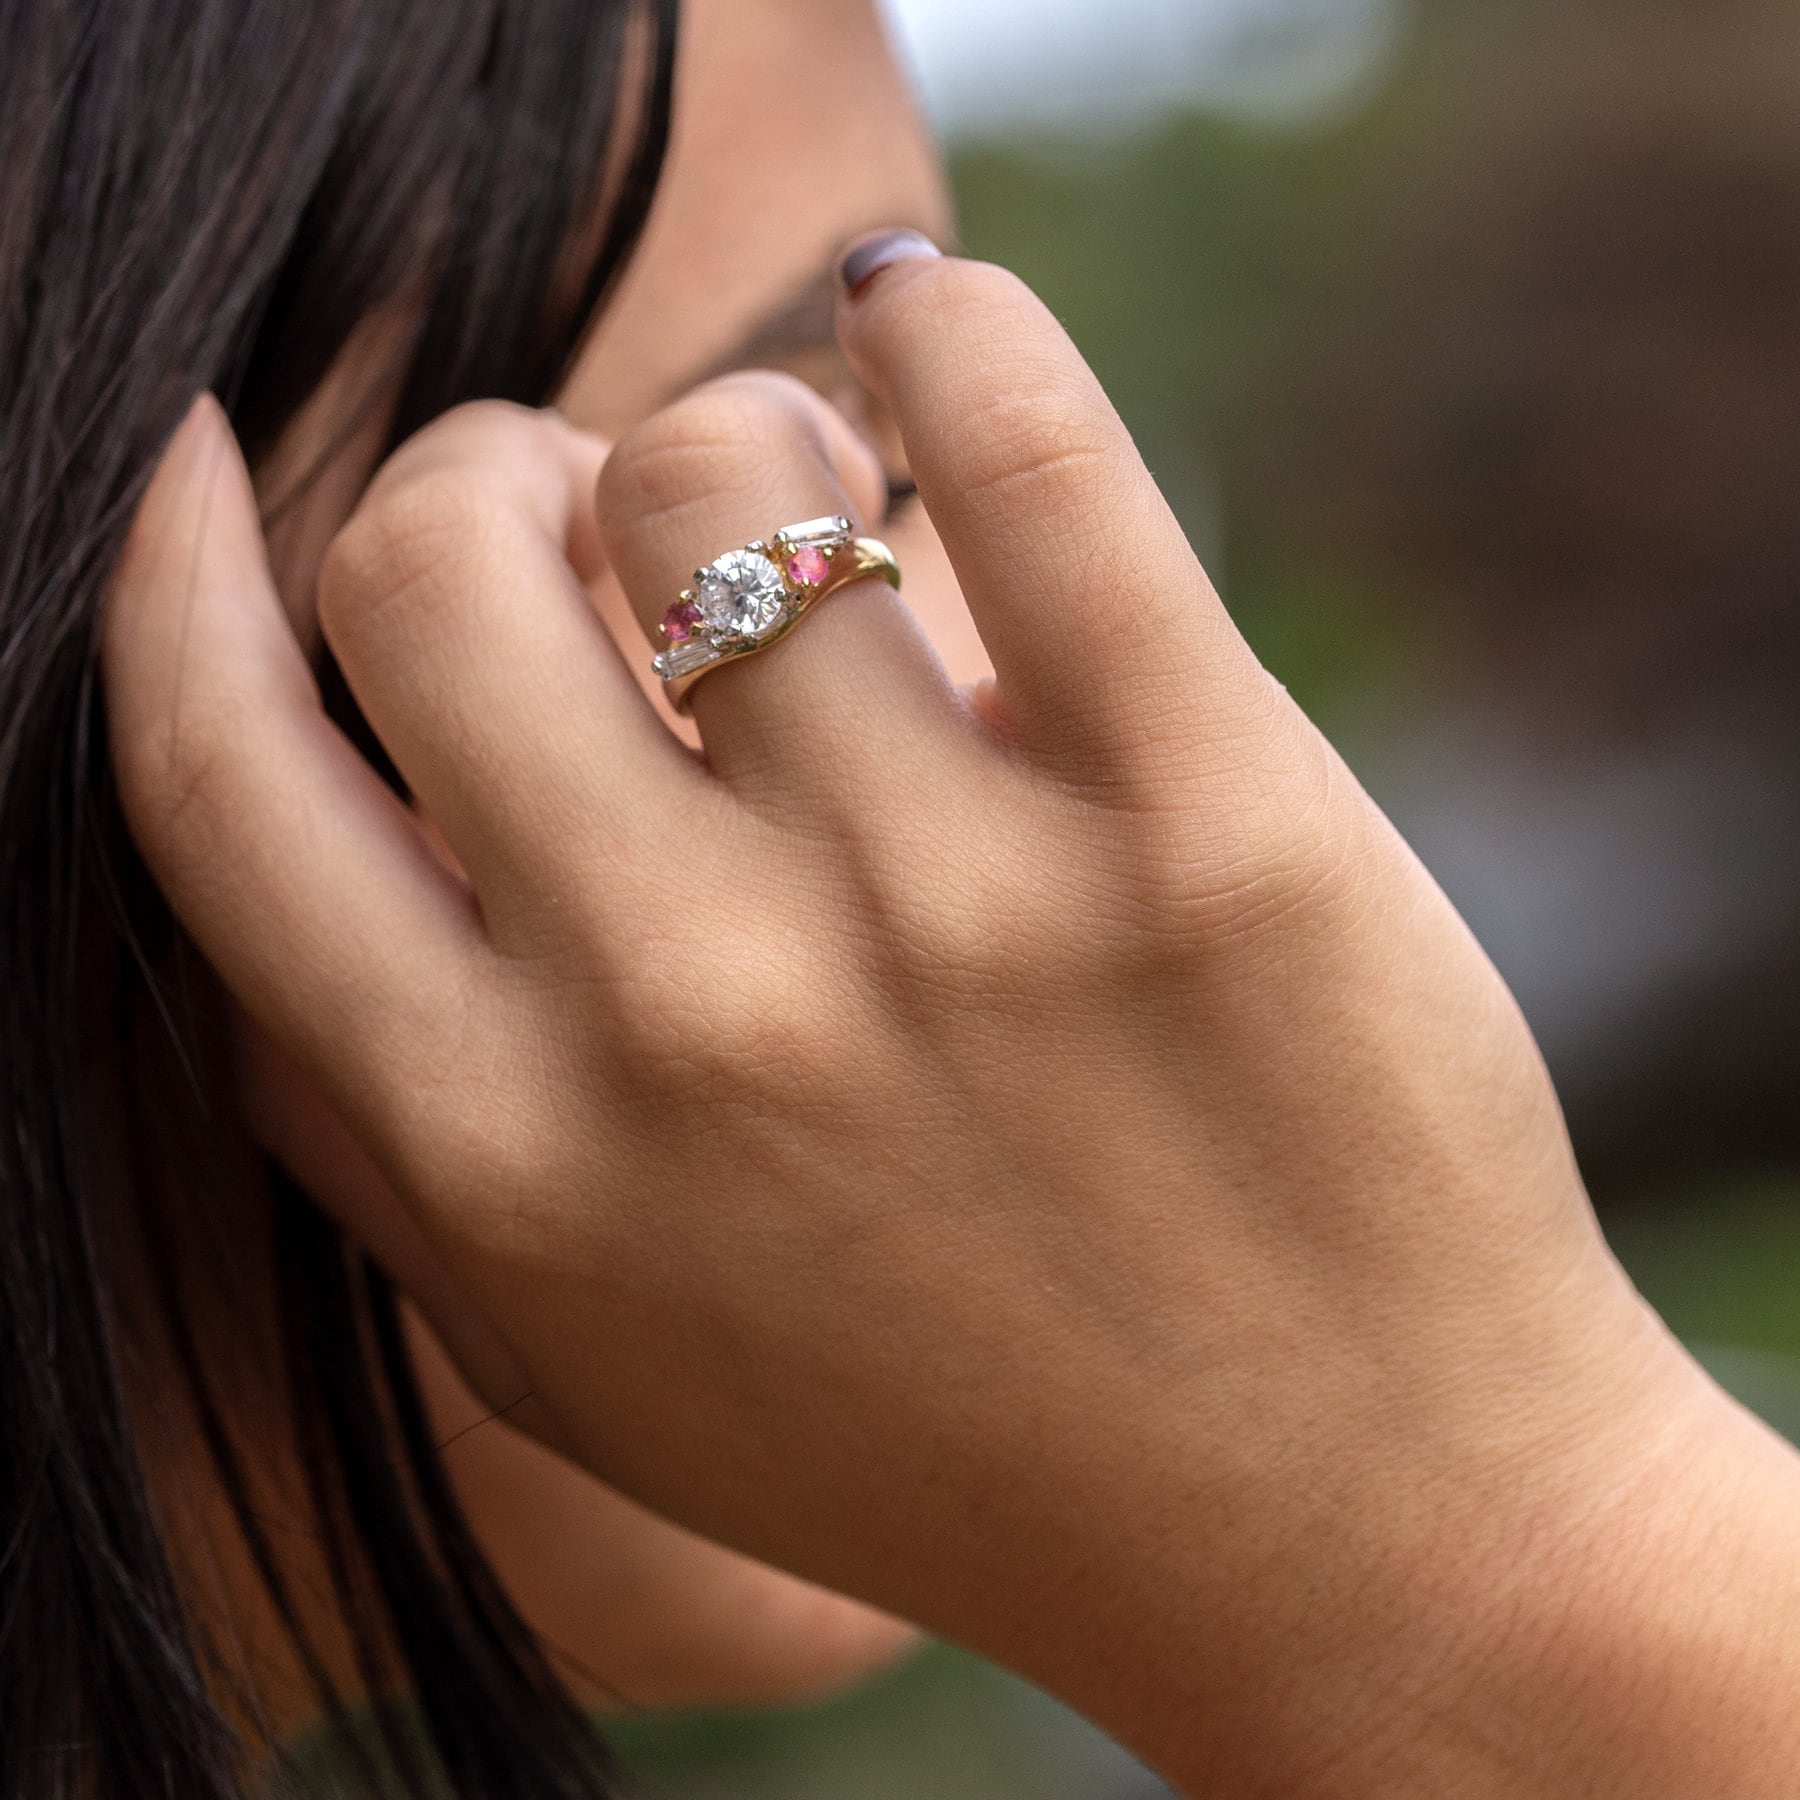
(731, 464)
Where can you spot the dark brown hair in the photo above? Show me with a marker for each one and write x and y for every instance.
(214, 194)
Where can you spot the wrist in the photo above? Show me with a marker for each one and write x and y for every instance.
(1654, 1650)
(1620, 1626)
(1613, 1617)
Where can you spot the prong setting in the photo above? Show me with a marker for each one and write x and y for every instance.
(746, 599)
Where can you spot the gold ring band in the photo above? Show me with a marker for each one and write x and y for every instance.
(748, 599)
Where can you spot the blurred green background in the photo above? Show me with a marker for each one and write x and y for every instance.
(1479, 391)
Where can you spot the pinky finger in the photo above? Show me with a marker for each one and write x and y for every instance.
(304, 880)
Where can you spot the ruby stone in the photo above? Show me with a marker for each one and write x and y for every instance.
(808, 567)
(679, 621)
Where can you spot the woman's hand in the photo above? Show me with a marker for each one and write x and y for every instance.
(1047, 1161)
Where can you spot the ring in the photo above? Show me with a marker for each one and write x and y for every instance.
(748, 599)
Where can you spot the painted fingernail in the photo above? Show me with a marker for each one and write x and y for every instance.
(867, 257)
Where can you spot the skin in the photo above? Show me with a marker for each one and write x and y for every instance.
(1063, 1172)
(684, 1620)
(638, 1609)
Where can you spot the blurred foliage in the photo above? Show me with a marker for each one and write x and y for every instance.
(1723, 1266)
(1497, 365)
(945, 1726)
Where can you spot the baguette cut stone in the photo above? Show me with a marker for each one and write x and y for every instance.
(684, 659)
(814, 531)
(742, 595)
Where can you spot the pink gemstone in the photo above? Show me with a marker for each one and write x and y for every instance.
(679, 621)
(808, 567)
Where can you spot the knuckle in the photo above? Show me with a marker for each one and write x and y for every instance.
(1030, 418)
(481, 417)
(762, 1032)
(705, 441)
(476, 435)
(1273, 848)
(471, 1120)
(993, 926)
(1037, 436)
(496, 444)
(404, 542)
(178, 793)
(183, 786)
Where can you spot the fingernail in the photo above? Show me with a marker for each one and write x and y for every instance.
(867, 257)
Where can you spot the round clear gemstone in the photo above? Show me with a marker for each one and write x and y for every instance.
(742, 595)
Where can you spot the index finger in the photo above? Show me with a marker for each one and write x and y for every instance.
(1087, 594)
(298, 872)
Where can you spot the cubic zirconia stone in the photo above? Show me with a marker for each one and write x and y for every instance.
(742, 596)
